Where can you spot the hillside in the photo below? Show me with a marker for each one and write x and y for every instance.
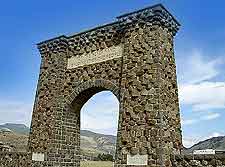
(17, 128)
(216, 143)
(92, 143)
(15, 136)
(95, 143)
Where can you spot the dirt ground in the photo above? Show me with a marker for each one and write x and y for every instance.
(96, 164)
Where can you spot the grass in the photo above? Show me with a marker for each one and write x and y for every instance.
(96, 164)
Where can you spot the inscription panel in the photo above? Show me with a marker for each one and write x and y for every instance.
(38, 157)
(137, 159)
(207, 151)
(95, 57)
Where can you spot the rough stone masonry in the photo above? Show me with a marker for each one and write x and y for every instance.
(133, 58)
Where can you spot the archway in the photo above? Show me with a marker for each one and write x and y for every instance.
(99, 121)
(134, 59)
(71, 122)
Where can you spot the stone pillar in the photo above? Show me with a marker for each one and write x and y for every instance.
(48, 102)
(151, 120)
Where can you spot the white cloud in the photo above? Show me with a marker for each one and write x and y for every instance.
(189, 121)
(190, 141)
(100, 113)
(203, 96)
(198, 91)
(196, 85)
(203, 117)
(215, 134)
(195, 68)
(15, 112)
(211, 116)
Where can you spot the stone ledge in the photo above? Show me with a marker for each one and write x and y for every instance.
(198, 157)
(155, 15)
(13, 153)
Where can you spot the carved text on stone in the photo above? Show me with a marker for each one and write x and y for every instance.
(137, 159)
(95, 57)
(38, 157)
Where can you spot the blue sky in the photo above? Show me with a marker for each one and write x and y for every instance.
(199, 49)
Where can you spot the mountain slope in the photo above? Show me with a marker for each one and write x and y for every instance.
(15, 136)
(216, 143)
(17, 128)
(94, 143)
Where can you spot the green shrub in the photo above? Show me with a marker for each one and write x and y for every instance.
(105, 157)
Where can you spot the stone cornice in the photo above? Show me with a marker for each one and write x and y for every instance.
(155, 15)
(58, 44)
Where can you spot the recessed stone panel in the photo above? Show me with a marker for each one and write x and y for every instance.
(207, 151)
(137, 159)
(95, 57)
(38, 157)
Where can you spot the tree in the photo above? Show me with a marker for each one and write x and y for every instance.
(105, 157)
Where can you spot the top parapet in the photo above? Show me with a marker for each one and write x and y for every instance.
(155, 15)
(149, 12)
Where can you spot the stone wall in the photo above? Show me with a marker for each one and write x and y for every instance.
(217, 160)
(21, 159)
(15, 159)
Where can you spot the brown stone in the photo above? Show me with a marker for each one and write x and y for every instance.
(133, 58)
(134, 150)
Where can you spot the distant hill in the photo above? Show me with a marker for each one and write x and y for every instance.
(216, 143)
(94, 143)
(14, 135)
(91, 143)
(16, 128)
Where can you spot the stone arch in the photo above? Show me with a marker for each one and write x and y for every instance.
(87, 89)
(73, 105)
(134, 54)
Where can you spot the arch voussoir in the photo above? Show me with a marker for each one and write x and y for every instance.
(104, 84)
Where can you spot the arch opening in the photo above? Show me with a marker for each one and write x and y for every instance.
(97, 111)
